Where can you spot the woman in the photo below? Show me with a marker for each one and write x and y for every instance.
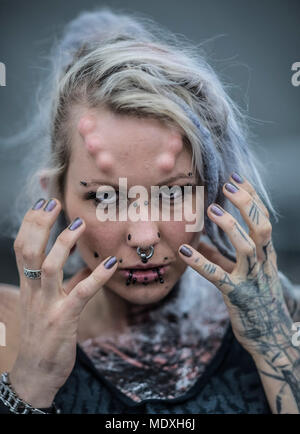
(207, 329)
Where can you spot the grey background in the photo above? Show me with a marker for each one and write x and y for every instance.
(251, 44)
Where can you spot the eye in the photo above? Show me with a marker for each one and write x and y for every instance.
(104, 197)
(175, 192)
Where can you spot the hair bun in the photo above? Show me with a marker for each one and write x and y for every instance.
(89, 28)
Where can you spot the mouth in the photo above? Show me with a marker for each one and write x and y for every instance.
(144, 275)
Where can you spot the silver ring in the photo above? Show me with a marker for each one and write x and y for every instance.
(143, 255)
(32, 274)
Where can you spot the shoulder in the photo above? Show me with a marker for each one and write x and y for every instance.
(291, 294)
(9, 325)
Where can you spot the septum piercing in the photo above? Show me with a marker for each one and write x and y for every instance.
(142, 254)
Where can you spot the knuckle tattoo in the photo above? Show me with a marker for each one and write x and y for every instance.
(231, 224)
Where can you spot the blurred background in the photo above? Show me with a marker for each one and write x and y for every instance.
(251, 44)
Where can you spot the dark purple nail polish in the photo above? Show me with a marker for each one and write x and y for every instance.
(110, 262)
(75, 224)
(237, 177)
(186, 251)
(50, 205)
(217, 210)
(38, 204)
(231, 188)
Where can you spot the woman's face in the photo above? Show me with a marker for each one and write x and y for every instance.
(106, 147)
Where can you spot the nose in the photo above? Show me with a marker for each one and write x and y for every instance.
(142, 235)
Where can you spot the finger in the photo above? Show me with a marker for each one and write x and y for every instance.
(52, 267)
(243, 244)
(235, 178)
(259, 224)
(211, 271)
(33, 235)
(212, 254)
(72, 282)
(88, 287)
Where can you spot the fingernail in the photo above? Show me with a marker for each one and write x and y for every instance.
(50, 205)
(231, 188)
(75, 224)
(186, 251)
(216, 210)
(237, 177)
(38, 204)
(110, 262)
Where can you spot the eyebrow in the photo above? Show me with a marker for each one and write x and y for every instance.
(94, 182)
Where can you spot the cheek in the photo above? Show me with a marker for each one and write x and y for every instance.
(175, 234)
(101, 237)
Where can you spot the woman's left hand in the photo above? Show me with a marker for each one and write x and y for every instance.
(251, 287)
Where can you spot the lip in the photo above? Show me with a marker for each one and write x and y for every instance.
(144, 267)
(145, 275)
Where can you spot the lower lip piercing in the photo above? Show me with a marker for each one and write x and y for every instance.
(133, 280)
(129, 278)
(161, 280)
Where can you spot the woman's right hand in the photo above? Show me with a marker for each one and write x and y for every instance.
(49, 312)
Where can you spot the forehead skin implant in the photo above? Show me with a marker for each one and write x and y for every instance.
(92, 142)
(166, 160)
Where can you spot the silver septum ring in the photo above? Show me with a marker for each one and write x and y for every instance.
(143, 255)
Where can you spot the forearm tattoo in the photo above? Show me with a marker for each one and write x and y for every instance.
(265, 321)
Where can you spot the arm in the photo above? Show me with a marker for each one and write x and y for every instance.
(259, 299)
(280, 375)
